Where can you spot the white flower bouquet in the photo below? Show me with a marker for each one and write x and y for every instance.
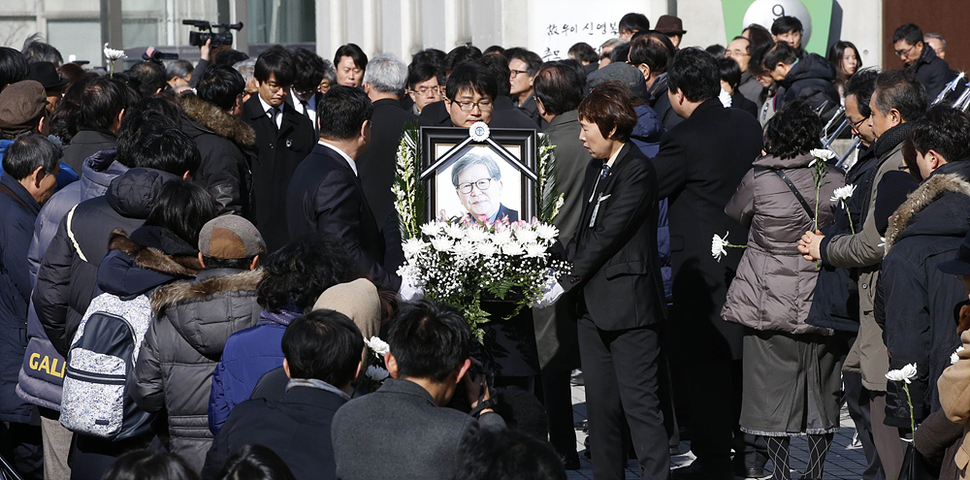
(463, 262)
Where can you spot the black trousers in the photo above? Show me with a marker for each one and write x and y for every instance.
(557, 399)
(21, 446)
(620, 369)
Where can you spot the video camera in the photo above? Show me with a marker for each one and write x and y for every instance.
(198, 39)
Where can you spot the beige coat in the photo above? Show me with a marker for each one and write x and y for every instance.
(864, 251)
(954, 387)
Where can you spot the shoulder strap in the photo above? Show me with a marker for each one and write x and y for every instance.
(798, 195)
(8, 192)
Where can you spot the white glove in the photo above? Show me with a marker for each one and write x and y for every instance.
(551, 291)
(410, 289)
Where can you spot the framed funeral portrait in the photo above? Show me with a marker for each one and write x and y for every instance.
(488, 175)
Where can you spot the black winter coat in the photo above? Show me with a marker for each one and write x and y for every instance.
(700, 164)
(915, 300)
(376, 165)
(836, 301)
(297, 428)
(810, 79)
(225, 143)
(85, 144)
(18, 209)
(278, 152)
(932, 72)
(67, 277)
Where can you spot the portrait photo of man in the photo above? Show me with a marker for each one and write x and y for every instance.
(481, 187)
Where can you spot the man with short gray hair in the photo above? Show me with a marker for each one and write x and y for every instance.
(937, 43)
(384, 82)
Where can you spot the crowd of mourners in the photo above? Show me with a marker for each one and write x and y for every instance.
(199, 264)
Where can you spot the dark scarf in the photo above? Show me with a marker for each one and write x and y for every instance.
(891, 138)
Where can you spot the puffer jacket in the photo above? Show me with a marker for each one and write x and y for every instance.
(916, 300)
(96, 175)
(248, 354)
(67, 277)
(183, 345)
(225, 143)
(646, 136)
(40, 381)
(774, 285)
(810, 79)
(18, 209)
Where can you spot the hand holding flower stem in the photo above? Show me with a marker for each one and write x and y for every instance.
(906, 375)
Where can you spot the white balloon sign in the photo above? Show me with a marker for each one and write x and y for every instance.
(764, 13)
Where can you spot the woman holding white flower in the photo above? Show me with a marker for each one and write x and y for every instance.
(791, 369)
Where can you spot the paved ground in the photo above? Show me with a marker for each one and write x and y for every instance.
(844, 461)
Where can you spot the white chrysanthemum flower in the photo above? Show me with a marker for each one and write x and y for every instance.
(464, 249)
(476, 234)
(377, 374)
(842, 194)
(431, 228)
(441, 244)
(822, 153)
(547, 231)
(378, 346)
(512, 248)
(526, 236)
(413, 246)
(113, 54)
(487, 249)
(954, 358)
(719, 246)
(502, 237)
(534, 250)
(905, 374)
(455, 231)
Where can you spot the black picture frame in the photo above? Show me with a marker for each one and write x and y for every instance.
(515, 150)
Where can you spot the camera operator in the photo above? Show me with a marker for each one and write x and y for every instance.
(429, 357)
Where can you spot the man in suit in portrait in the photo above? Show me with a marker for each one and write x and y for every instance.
(699, 166)
(325, 195)
(616, 284)
(384, 83)
(284, 137)
(404, 430)
(478, 181)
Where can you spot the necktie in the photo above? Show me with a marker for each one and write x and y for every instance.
(273, 113)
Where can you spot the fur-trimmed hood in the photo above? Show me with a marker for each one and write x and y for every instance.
(205, 313)
(176, 294)
(216, 121)
(153, 258)
(139, 263)
(914, 217)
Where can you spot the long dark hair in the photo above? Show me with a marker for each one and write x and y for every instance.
(835, 59)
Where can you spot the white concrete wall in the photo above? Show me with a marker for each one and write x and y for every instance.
(406, 26)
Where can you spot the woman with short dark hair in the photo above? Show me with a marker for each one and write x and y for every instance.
(791, 369)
